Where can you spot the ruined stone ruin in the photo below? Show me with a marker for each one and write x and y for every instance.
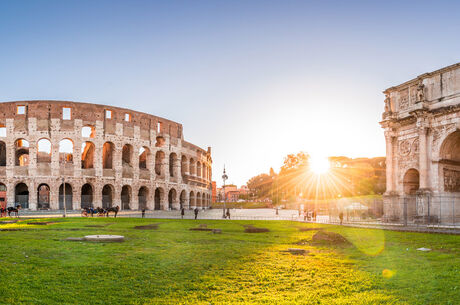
(87, 155)
(422, 132)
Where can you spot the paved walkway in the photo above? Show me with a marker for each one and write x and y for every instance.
(260, 214)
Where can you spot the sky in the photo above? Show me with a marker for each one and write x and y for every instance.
(255, 80)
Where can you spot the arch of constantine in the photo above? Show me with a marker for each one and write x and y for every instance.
(422, 132)
(86, 155)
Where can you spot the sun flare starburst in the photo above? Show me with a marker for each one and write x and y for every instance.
(319, 165)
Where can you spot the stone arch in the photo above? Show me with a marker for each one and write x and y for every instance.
(126, 194)
(65, 151)
(183, 199)
(203, 200)
(44, 151)
(172, 164)
(450, 147)
(3, 196)
(43, 196)
(21, 195)
(411, 181)
(86, 196)
(192, 167)
(159, 196)
(2, 153)
(65, 196)
(183, 166)
(21, 152)
(143, 196)
(107, 155)
(172, 198)
(191, 200)
(198, 199)
(144, 157)
(198, 169)
(88, 131)
(127, 155)
(87, 155)
(449, 155)
(159, 161)
(107, 196)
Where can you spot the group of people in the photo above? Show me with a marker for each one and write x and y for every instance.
(308, 215)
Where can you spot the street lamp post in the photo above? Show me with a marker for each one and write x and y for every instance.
(224, 177)
(63, 188)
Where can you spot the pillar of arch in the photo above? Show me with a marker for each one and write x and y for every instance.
(86, 196)
(159, 199)
(173, 204)
(21, 195)
(411, 182)
(66, 196)
(43, 196)
(107, 196)
(126, 197)
(183, 202)
(191, 200)
(143, 198)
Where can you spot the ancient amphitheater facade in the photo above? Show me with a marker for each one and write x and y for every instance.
(422, 132)
(78, 154)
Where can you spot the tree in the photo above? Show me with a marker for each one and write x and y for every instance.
(260, 185)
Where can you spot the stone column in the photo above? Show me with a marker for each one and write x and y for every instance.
(33, 200)
(423, 158)
(389, 161)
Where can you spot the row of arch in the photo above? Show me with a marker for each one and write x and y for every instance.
(66, 156)
(160, 200)
(449, 156)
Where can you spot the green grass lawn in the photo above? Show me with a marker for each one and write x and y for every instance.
(172, 265)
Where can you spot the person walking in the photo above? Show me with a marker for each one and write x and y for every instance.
(182, 213)
(143, 213)
(341, 217)
(196, 212)
(228, 214)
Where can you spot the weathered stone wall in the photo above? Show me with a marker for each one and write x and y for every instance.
(422, 128)
(174, 184)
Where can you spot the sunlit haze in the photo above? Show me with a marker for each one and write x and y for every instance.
(255, 80)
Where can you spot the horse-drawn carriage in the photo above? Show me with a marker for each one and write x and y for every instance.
(100, 212)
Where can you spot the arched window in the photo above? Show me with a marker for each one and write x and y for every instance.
(411, 181)
(65, 151)
(107, 155)
(22, 152)
(87, 155)
(44, 151)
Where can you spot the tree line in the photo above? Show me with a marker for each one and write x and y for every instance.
(346, 177)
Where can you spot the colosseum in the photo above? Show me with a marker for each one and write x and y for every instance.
(56, 153)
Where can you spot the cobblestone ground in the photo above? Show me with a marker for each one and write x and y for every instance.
(255, 214)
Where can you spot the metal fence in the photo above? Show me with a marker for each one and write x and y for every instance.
(424, 210)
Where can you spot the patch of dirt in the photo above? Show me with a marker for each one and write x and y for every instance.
(252, 229)
(41, 223)
(152, 226)
(8, 222)
(330, 238)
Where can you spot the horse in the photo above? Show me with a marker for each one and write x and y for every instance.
(113, 209)
(14, 210)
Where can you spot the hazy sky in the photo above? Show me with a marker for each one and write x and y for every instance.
(256, 80)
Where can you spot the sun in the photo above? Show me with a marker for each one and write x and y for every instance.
(319, 165)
